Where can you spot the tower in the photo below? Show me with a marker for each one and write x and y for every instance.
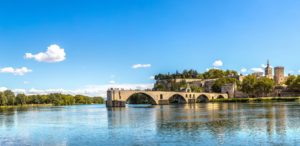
(279, 75)
(268, 71)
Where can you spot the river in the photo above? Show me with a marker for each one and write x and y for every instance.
(276, 123)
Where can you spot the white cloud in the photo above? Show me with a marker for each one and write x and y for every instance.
(3, 89)
(141, 66)
(54, 53)
(151, 77)
(299, 71)
(112, 82)
(25, 82)
(243, 70)
(91, 90)
(19, 91)
(218, 63)
(257, 70)
(208, 69)
(16, 71)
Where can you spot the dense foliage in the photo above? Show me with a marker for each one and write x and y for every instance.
(8, 98)
(293, 83)
(254, 86)
(193, 74)
(174, 86)
(217, 86)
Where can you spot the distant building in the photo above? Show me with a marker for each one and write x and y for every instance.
(258, 74)
(208, 85)
(241, 78)
(229, 89)
(268, 71)
(279, 75)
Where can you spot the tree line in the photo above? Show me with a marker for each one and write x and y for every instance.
(193, 74)
(251, 85)
(293, 83)
(263, 86)
(257, 87)
(8, 98)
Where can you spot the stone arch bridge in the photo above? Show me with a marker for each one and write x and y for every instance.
(118, 98)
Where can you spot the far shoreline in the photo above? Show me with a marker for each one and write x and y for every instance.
(256, 99)
(41, 105)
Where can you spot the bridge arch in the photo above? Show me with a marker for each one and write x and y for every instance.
(177, 99)
(220, 97)
(202, 99)
(140, 98)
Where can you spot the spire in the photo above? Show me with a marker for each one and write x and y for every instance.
(268, 63)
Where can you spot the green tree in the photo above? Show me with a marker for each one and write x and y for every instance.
(248, 84)
(196, 88)
(3, 99)
(230, 73)
(217, 86)
(264, 86)
(213, 74)
(98, 100)
(80, 99)
(295, 85)
(21, 99)
(290, 80)
(10, 97)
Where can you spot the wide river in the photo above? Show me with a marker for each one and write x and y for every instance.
(197, 124)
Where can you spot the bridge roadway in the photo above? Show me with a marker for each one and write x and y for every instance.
(118, 98)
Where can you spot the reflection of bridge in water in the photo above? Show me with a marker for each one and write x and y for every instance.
(222, 121)
(118, 98)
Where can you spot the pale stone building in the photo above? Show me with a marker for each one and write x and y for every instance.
(279, 75)
(268, 71)
(229, 89)
(258, 74)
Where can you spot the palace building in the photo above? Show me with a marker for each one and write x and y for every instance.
(268, 71)
(278, 73)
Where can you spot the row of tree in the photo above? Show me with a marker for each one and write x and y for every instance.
(257, 87)
(253, 86)
(193, 74)
(8, 98)
(217, 86)
(293, 83)
(172, 85)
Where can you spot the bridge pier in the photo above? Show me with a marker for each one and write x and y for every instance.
(163, 102)
(115, 103)
(190, 101)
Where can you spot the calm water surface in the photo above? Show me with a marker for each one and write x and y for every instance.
(197, 124)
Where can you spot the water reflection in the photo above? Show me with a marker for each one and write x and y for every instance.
(187, 124)
(223, 122)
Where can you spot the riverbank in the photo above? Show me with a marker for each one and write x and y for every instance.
(27, 105)
(261, 99)
(37, 105)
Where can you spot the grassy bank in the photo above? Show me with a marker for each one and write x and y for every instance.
(261, 99)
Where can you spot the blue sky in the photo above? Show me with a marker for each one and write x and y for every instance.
(103, 40)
